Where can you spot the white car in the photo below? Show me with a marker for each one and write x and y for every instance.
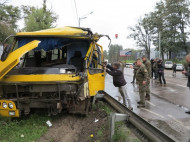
(168, 65)
(128, 65)
(179, 67)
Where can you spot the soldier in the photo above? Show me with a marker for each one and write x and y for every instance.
(186, 72)
(147, 64)
(135, 67)
(141, 77)
(155, 68)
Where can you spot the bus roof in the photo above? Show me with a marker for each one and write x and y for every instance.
(70, 32)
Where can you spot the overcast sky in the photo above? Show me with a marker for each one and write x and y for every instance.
(109, 16)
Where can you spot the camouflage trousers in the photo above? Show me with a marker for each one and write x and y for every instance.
(148, 87)
(142, 93)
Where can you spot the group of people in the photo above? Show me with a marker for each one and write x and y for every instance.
(142, 75)
(144, 70)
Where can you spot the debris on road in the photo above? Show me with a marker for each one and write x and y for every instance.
(49, 123)
(96, 120)
(22, 136)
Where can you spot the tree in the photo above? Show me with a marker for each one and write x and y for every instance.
(114, 53)
(178, 14)
(170, 19)
(9, 15)
(142, 34)
(39, 18)
(105, 54)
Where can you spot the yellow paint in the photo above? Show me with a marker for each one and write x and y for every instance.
(96, 83)
(40, 78)
(14, 57)
(5, 111)
(70, 32)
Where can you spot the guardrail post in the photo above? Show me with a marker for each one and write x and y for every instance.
(115, 117)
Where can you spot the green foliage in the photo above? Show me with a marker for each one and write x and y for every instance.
(170, 18)
(142, 33)
(114, 53)
(32, 129)
(39, 19)
(101, 105)
(9, 15)
(119, 135)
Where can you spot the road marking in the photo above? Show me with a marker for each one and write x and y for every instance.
(181, 123)
(178, 85)
(153, 113)
(151, 103)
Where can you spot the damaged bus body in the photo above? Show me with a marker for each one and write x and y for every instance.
(55, 69)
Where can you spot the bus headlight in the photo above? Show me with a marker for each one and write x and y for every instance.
(4, 105)
(10, 105)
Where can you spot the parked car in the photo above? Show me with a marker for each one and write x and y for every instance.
(179, 67)
(128, 65)
(168, 64)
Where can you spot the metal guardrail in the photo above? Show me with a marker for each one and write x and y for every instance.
(152, 133)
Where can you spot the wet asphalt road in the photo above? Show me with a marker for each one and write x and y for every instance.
(166, 109)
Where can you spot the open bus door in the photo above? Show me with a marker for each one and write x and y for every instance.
(96, 74)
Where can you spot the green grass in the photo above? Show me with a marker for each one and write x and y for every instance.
(119, 134)
(100, 132)
(101, 105)
(130, 61)
(32, 129)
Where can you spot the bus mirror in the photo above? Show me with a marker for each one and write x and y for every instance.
(6, 52)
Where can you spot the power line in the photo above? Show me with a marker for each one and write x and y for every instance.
(76, 10)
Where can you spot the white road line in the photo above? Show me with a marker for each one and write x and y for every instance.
(178, 85)
(153, 113)
(181, 123)
(150, 103)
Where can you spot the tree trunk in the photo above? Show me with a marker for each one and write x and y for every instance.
(170, 54)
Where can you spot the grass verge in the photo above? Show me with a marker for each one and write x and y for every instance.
(28, 130)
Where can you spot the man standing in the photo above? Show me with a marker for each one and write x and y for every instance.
(141, 77)
(147, 64)
(161, 68)
(155, 67)
(152, 70)
(186, 72)
(119, 81)
(174, 69)
(135, 67)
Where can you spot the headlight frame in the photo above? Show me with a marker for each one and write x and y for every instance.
(4, 105)
(10, 105)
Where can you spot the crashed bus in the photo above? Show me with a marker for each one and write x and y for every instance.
(55, 69)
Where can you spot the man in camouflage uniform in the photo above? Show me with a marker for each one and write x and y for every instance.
(141, 77)
(155, 68)
(186, 72)
(135, 67)
(147, 64)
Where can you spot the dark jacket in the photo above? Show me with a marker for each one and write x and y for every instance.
(187, 69)
(174, 66)
(161, 68)
(118, 77)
